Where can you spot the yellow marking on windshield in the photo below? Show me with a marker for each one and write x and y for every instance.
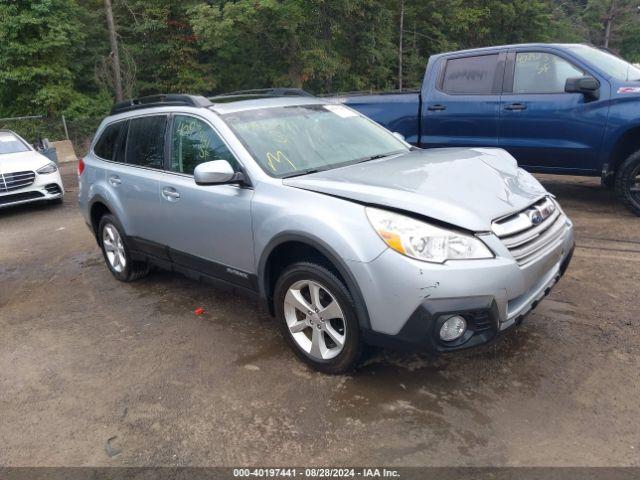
(279, 157)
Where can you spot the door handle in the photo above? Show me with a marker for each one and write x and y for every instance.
(115, 180)
(170, 194)
(436, 108)
(516, 107)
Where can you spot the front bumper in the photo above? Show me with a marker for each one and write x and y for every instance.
(44, 188)
(408, 300)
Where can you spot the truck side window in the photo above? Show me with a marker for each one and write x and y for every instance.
(470, 75)
(538, 72)
(194, 142)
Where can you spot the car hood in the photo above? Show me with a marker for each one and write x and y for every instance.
(466, 187)
(22, 161)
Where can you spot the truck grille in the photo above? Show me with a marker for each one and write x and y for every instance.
(15, 181)
(531, 233)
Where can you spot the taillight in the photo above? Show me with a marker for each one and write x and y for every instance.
(80, 167)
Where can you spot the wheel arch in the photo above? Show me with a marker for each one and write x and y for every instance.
(97, 209)
(626, 144)
(267, 266)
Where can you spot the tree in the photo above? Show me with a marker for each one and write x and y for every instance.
(40, 41)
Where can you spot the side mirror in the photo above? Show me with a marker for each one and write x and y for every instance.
(399, 136)
(587, 85)
(216, 172)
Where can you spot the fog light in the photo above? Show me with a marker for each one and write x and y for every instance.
(453, 328)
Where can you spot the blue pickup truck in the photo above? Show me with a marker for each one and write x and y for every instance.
(557, 108)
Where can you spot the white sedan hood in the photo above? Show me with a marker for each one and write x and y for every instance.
(22, 161)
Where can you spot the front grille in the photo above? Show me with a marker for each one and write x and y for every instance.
(19, 197)
(15, 181)
(53, 189)
(531, 233)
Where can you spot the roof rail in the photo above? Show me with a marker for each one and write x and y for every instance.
(163, 100)
(261, 93)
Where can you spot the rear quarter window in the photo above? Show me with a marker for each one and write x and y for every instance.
(470, 75)
(106, 144)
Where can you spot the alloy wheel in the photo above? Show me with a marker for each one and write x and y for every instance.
(114, 248)
(315, 320)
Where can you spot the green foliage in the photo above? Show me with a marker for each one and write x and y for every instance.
(40, 40)
(55, 55)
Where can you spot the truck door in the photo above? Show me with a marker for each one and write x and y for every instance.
(543, 127)
(462, 101)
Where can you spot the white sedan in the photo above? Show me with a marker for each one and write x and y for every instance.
(26, 175)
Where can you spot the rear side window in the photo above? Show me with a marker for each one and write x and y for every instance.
(470, 75)
(106, 145)
(194, 142)
(145, 141)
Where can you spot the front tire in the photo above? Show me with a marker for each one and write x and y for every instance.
(627, 184)
(316, 315)
(116, 252)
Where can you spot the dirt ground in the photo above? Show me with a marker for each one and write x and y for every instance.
(96, 372)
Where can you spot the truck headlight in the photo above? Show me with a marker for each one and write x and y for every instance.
(48, 168)
(423, 241)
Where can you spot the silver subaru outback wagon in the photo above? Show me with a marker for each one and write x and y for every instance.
(348, 234)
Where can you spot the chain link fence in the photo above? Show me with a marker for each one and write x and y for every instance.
(34, 129)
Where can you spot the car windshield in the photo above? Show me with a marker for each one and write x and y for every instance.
(608, 63)
(9, 143)
(295, 140)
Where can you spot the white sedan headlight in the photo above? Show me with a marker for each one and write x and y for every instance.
(425, 242)
(48, 168)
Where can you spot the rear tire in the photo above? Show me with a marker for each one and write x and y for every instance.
(116, 251)
(316, 315)
(627, 185)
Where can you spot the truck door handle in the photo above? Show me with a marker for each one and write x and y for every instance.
(170, 194)
(436, 108)
(115, 180)
(516, 106)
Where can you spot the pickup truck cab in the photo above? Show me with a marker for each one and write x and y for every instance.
(557, 108)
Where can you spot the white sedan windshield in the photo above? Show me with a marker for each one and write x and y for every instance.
(294, 140)
(9, 143)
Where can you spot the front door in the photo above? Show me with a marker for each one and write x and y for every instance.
(462, 106)
(207, 228)
(543, 127)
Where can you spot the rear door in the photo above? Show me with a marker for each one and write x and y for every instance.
(207, 228)
(543, 127)
(462, 104)
(135, 181)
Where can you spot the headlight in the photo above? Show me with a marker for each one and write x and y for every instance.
(422, 241)
(48, 168)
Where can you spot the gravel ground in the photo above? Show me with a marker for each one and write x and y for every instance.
(96, 372)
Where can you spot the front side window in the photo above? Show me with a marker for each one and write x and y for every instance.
(470, 75)
(539, 72)
(145, 141)
(194, 142)
(9, 143)
(289, 141)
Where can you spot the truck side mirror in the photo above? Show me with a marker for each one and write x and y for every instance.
(586, 85)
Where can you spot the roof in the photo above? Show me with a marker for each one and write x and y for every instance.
(271, 102)
(515, 45)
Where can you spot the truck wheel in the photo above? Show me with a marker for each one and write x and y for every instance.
(116, 253)
(316, 315)
(628, 183)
